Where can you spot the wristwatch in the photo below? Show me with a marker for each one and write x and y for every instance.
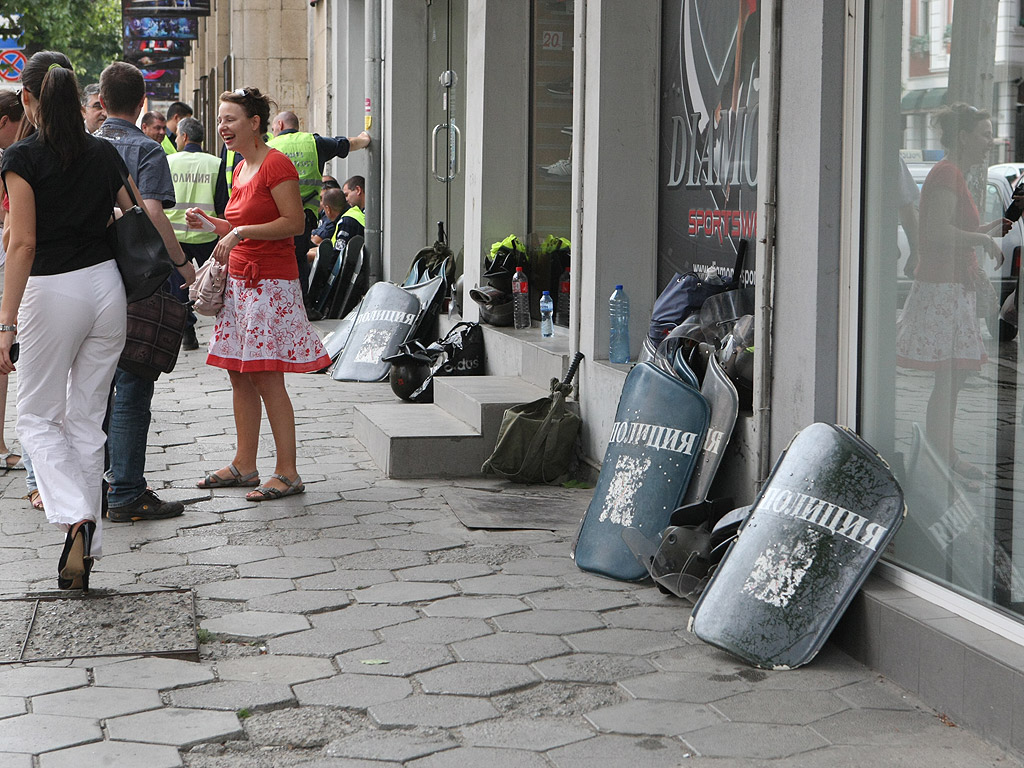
(4, 328)
(238, 235)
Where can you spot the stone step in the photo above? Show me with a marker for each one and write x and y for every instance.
(481, 401)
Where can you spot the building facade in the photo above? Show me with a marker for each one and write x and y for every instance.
(655, 136)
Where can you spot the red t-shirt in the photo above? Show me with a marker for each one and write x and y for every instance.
(941, 261)
(253, 203)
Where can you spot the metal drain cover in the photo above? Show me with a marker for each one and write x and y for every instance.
(55, 626)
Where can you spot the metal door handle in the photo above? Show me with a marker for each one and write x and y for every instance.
(454, 166)
(433, 151)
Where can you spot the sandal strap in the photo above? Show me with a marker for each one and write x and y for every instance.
(288, 481)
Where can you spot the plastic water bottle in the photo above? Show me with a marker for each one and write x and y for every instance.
(618, 314)
(562, 311)
(547, 309)
(520, 300)
(712, 277)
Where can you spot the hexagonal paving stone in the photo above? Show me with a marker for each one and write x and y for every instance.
(137, 562)
(536, 733)
(637, 641)
(753, 740)
(592, 668)
(397, 746)
(346, 579)
(403, 592)
(177, 727)
(158, 674)
(549, 622)
(580, 600)
(476, 679)
(111, 753)
(234, 695)
(14, 760)
(321, 642)
(402, 659)
(432, 711)
(364, 617)
(781, 707)
(243, 589)
(11, 705)
(353, 691)
(504, 584)
(667, 618)
(882, 727)
(286, 567)
(97, 702)
(514, 648)
(492, 758)
(445, 571)
(435, 630)
(655, 718)
(33, 681)
(329, 548)
(300, 601)
(275, 669)
(42, 733)
(683, 686)
(475, 607)
(234, 555)
(250, 625)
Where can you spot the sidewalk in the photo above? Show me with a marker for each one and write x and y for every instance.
(360, 625)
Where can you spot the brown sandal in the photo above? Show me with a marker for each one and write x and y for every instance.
(237, 479)
(35, 499)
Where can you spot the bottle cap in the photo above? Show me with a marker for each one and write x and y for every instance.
(546, 293)
(519, 269)
(618, 287)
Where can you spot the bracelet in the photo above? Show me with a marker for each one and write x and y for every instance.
(238, 235)
(179, 266)
(4, 328)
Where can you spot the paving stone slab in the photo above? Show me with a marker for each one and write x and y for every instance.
(885, 727)
(549, 622)
(436, 630)
(378, 559)
(136, 562)
(875, 694)
(36, 733)
(972, 753)
(403, 592)
(622, 752)
(233, 554)
(382, 493)
(461, 757)
(521, 648)
(592, 668)
(364, 617)
(12, 760)
(320, 642)
(475, 607)
(637, 641)
(158, 674)
(97, 702)
(112, 753)
(781, 707)
(346, 579)
(445, 572)
(402, 659)
(188, 575)
(185, 545)
(234, 695)
(754, 740)
(11, 705)
(353, 691)
(504, 584)
(252, 625)
(655, 718)
(684, 686)
(419, 542)
(300, 601)
(36, 680)
(286, 567)
(580, 600)
(666, 618)
(432, 712)
(534, 733)
(398, 746)
(272, 668)
(327, 548)
(175, 726)
(476, 679)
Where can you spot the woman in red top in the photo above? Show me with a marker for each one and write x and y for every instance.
(262, 332)
(938, 329)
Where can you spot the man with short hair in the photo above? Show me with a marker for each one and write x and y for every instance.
(309, 152)
(123, 93)
(194, 173)
(153, 126)
(92, 108)
(175, 113)
(353, 220)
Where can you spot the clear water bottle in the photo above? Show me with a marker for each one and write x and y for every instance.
(712, 277)
(520, 300)
(547, 310)
(562, 310)
(618, 314)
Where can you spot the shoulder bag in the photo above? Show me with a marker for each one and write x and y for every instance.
(155, 327)
(207, 292)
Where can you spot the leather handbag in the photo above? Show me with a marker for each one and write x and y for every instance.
(207, 292)
(139, 250)
(153, 339)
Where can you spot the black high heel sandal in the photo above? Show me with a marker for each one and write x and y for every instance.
(75, 562)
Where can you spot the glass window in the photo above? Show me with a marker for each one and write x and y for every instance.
(939, 395)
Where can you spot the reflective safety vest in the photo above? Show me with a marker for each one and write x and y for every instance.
(355, 212)
(301, 150)
(168, 145)
(230, 161)
(195, 180)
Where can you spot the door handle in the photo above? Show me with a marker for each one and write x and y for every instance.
(453, 166)
(433, 152)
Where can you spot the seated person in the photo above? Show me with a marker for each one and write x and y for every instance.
(353, 221)
(334, 205)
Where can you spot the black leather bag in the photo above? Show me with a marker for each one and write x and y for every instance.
(139, 250)
(153, 339)
(464, 350)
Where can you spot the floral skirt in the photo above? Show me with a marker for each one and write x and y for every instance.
(263, 327)
(939, 328)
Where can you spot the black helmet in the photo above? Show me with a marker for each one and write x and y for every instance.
(410, 376)
(495, 305)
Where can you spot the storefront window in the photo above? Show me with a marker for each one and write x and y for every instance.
(939, 395)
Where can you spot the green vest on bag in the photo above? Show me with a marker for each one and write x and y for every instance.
(301, 150)
(168, 145)
(195, 179)
(355, 212)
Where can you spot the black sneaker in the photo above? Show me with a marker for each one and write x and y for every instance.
(189, 340)
(147, 507)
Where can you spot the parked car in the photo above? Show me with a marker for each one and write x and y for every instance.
(1012, 171)
(998, 194)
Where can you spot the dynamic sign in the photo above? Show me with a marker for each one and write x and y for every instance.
(153, 28)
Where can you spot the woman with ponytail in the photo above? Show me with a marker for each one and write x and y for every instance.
(63, 302)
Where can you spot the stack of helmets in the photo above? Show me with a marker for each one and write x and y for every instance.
(495, 297)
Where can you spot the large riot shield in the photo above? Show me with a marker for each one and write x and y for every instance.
(659, 429)
(820, 523)
(387, 317)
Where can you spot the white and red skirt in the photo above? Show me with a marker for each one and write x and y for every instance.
(263, 327)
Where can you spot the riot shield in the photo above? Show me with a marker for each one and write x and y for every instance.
(660, 425)
(820, 523)
(387, 317)
(725, 405)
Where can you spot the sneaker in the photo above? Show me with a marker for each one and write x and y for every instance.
(189, 341)
(147, 507)
(561, 170)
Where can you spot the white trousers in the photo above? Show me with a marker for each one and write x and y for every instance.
(71, 329)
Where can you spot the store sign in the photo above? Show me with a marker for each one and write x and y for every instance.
(165, 8)
(154, 28)
(708, 147)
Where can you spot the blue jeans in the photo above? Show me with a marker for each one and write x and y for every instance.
(127, 435)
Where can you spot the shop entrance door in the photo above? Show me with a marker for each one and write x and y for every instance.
(446, 60)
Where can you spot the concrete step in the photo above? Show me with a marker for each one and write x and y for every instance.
(409, 440)
(481, 401)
